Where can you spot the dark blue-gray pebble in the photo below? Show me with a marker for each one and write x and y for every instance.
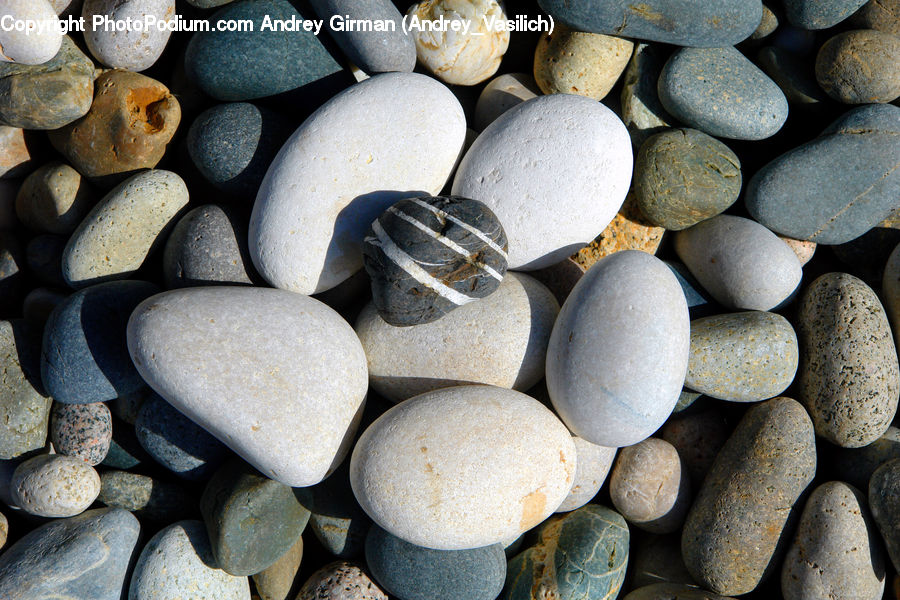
(820, 14)
(85, 357)
(411, 572)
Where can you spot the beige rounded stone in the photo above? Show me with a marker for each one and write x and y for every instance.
(52, 485)
(340, 580)
(463, 467)
(54, 199)
(574, 62)
(592, 467)
(462, 57)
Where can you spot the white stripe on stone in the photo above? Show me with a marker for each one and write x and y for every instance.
(479, 234)
(406, 262)
(445, 241)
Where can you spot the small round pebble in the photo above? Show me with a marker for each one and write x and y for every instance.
(54, 199)
(52, 485)
(860, 67)
(134, 49)
(81, 430)
(24, 46)
(340, 581)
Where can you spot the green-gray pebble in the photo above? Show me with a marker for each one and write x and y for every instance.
(683, 176)
(756, 479)
(581, 555)
(24, 409)
(146, 497)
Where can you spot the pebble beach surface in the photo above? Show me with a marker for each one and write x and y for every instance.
(450, 300)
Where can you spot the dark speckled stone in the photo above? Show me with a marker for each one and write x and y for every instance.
(176, 442)
(251, 520)
(748, 493)
(860, 67)
(720, 92)
(81, 430)
(581, 555)
(233, 145)
(414, 573)
(884, 501)
(341, 581)
(820, 14)
(84, 357)
(686, 23)
(146, 497)
(235, 66)
(836, 187)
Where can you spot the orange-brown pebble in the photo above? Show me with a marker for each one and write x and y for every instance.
(629, 230)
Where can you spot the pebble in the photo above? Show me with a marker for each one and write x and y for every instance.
(19, 154)
(460, 57)
(883, 15)
(179, 559)
(272, 62)
(742, 357)
(844, 336)
(49, 95)
(672, 591)
(148, 498)
(591, 469)
(176, 442)
(371, 51)
(632, 303)
(520, 168)
(84, 357)
(233, 144)
(740, 263)
(884, 493)
(208, 246)
(24, 407)
(650, 486)
(856, 465)
(859, 67)
(692, 23)
(820, 14)
(832, 555)
(30, 47)
(683, 177)
(82, 431)
(642, 112)
(428, 256)
(500, 340)
(131, 121)
(340, 581)
(764, 467)
(52, 485)
(80, 557)
(804, 193)
(135, 49)
(698, 437)
(501, 94)
(803, 249)
(278, 581)
(721, 93)
(411, 572)
(463, 467)
(582, 554)
(378, 130)
(574, 62)
(629, 230)
(54, 199)
(124, 228)
(283, 400)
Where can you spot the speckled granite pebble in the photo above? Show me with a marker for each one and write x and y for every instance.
(24, 407)
(820, 14)
(148, 498)
(757, 477)
(859, 67)
(340, 581)
(52, 485)
(81, 430)
(833, 556)
(591, 469)
(845, 337)
(629, 230)
(54, 199)
(884, 501)
(742, 357)
(280, 580)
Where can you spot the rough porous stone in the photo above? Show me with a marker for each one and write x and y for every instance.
(463, 467)
(378, 131)
(742, 357)
(279, 581)
(720, 92)
(340, 581)
(582, 554)
(627, 310)
(691, 23)
(629, 230)
(574, 62)
(54, 199)
(52, 485)
(650, 486)
(762, 470)
(132, 49)
(683, 176)
(49, 95)
(428, 256)
(148, 498)
(884, 501)
(501, 94)
(860, 67)
(81, 557)
(820, 14)
(24, 407)
(179, 558)
(642, 112)
(836, 187)
(414, 573)
(29, 47)
(82, 431)
(698, 437)
(845, 337)
(500, 340)
(84, 357)
(550, 201)
(833, 555)
(591, 469)
(300, 393)
(739, 262)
